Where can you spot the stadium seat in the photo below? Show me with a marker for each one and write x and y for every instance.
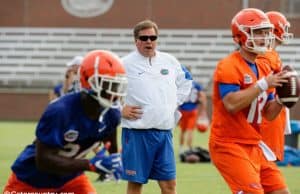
(34, 58)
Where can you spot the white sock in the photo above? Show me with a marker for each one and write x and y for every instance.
(181, 149)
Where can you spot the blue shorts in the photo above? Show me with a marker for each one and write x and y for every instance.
(147, 154)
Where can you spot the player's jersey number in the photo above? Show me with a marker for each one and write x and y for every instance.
(72, 150)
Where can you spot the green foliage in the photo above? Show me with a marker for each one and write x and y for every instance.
(191, 178)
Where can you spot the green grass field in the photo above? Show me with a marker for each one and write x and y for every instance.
(191, 178)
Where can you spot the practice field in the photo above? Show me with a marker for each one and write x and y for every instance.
(191, 178)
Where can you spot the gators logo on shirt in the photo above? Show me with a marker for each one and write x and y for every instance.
(247, 79)
(71, 135)
(164, 71)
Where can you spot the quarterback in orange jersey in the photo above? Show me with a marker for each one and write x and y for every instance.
(273, 131)
(242, 95)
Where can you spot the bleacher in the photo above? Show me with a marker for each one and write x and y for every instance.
(35, 58)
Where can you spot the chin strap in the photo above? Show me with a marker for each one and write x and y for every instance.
(103, 112)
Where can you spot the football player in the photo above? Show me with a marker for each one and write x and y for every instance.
(194, 106)
(56, 92)
(242, 92)
(71, 85)
(273, 131)
(71, 82)
(70, 128)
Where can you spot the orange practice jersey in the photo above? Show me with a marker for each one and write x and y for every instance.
(273, 131)
(241, 127)
(270, 59)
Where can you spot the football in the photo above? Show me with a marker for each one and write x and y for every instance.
(289, 92)
(192, 158)
(202, 124)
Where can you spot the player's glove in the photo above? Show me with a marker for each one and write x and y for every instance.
(110, 164)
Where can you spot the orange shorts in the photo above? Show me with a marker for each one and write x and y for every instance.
(245, 168)
(78, 185)
(188, 120)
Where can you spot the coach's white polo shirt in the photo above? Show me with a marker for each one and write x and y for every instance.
(158, 85)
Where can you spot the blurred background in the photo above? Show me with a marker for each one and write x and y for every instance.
(38, 38)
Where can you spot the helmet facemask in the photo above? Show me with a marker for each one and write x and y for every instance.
(103, 77)
(285, 36)
(252, 39)
(106, 89)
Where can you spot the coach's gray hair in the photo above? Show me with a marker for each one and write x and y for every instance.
(146, 24)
